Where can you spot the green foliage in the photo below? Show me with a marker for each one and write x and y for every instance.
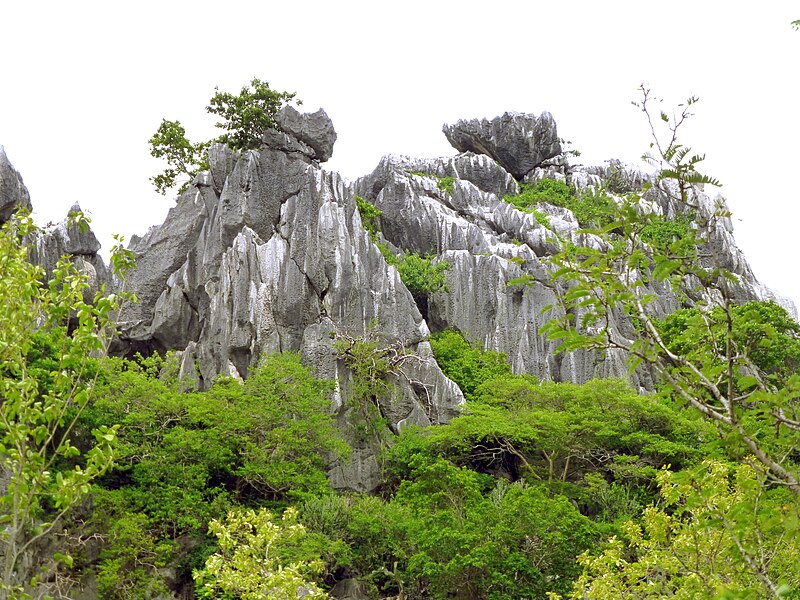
(466, 364)
(371, 363)
(734, 365)
(559, 434)
(661, 233)
(250, 563)
(248, 115)
(474, 538)
(244, 118)
(720, 535)
(446, 184)
(526, 279)
(421, 275)
(542, 218)
(763, 331)
(548, 190)
(592, 208)
(674, 160)
(615, 181)
(183, 157)
(370, 216)
(132, 553)
(188, 458)
(450, 532)
(51, 338)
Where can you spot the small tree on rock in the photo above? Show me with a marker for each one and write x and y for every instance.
(244, 118)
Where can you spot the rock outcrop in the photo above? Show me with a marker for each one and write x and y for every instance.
(313, 129)
(267, 253)
(499, 281)
(52, 242)
(519, 142)
(13, 193)
(490, 245)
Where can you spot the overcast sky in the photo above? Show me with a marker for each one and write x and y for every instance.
(83, 85)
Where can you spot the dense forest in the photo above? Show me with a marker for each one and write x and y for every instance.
(122, 480)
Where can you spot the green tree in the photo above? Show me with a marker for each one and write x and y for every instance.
(251, 563)
(244, 118)
(723, 374)
(183, 157)
(715, 518)
(598, 283)
(466, 364)
(50, 339)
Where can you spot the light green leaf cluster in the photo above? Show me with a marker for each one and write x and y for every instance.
(50, 337)
(250, 564)
(720, 535)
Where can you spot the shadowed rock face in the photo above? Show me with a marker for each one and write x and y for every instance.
(519, 142)
(13, 193)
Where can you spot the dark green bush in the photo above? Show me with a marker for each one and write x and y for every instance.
(466, 364)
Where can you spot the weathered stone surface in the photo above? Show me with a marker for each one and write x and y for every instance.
(52, 242)
(313, 129)
(13, 193)
(275, 258)
(160, 253)
(490, 244)
(518, 141)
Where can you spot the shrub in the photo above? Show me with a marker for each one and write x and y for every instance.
(446, 184)
(466, 364)
(369, 216)
(592, 208)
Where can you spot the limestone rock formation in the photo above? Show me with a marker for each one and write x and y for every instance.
(519, 142)
(13, 193)
(493, 248)
(53, 241)
(313, 129)
(489, 244)
(267, 253)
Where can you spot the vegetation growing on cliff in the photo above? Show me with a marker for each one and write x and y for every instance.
(245, 117)
(719, 359)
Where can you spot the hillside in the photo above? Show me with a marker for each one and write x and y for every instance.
(375, 353)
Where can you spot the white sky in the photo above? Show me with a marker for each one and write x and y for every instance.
(84, 84)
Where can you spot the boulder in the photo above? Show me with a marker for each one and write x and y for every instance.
(13, 193)
(518, 141)
(312, 129)
(53, 241)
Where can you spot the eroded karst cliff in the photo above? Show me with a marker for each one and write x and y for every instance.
(267, 252)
